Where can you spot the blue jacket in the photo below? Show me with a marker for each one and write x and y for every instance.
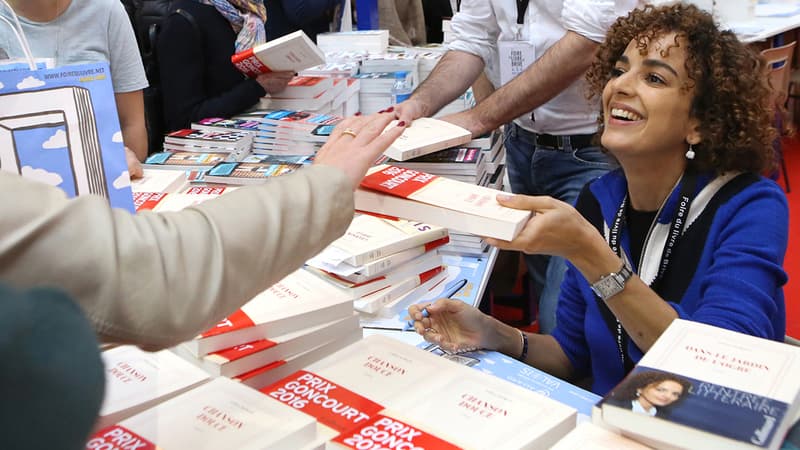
(726, 270)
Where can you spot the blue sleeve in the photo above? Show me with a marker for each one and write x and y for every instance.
(571, 312)
(740, 286)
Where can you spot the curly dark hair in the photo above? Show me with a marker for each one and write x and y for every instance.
(732, 94)
(626, 391)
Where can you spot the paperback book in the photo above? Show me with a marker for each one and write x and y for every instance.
(292, 52)
(426, 135)
(186, 160)
(298, 301)
(161, 181)
(410, 194)
(728, 391)
(242, 173)
(217, 414)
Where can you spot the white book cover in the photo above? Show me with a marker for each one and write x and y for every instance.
(399, 192)
(369, 238)
(382, 377)
(426, 135)
(373, 302)
(252, 355)
(300, 300)
(160, 181)
(417, 267)
(137, 380)
(729, 390)
(220, 414)
(588, 436)
(276, 370)
(293, 52)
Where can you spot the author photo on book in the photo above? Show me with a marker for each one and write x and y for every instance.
(686, 228)
(650, 392)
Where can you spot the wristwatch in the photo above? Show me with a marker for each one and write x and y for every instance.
(613, 283)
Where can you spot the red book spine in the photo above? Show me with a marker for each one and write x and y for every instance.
(248, 63)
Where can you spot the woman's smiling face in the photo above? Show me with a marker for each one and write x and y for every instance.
(647, 102)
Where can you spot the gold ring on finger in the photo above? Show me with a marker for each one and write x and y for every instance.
(349, 131)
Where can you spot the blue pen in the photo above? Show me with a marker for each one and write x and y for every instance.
(447, 294)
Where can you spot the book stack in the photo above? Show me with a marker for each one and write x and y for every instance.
(369, 41)
(427, 58)
(700, 386)
(184, 161)
(297, 321)
(176, 201)
(137, 380)
(236, 143)
(243, 173)
(290, 132)
(337, 69)
(375, 385)
(312, 94)
(292, 52)
(217, 124)
(376, 91)
(379, 262)
(395, 59)
(217, 414)
(159, 181)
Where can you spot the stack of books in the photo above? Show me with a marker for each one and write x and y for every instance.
(236, 143)
(376, 387)
(297, 321)
(396, 59)
(290, 132)
(380, 262)
(312, 94)
(369, 41)
(376, 91)
(218, 124)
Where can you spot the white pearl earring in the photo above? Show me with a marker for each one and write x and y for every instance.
(690, 153)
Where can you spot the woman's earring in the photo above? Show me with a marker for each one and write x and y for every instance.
(638, 393)
(690, 153)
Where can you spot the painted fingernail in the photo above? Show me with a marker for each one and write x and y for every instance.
(401, 124)
(357, 113)
(390, 109)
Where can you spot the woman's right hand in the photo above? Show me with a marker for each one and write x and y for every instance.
(275, 82)
(356, 143)
(453, 325)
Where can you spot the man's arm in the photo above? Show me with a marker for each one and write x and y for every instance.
(130, 107)
(558, 68)
(454, 73)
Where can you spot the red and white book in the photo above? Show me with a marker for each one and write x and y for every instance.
(137, 380)
(370, 238)
(361, 274)
(416, 267)
(219, 414)
(292, 52)
(398, 192)
(253, 355)
(426, 135)
(373, 302)
(168, 202)
(306, 87)
(298, 301)
(381, 377)
(276, 370)
(160, 181)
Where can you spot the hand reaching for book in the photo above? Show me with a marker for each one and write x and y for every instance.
(356, 143)
(134, 166)
(452, 324)
(275, 82)
(409, 110)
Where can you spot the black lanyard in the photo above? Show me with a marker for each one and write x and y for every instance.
(522, 6)
(679, 218)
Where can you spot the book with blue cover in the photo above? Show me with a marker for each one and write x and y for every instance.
(60, 127)
(701, 386)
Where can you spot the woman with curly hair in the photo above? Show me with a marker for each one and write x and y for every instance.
(686, 228)
(650, 392)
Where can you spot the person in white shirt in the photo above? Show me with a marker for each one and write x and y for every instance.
(550, 137)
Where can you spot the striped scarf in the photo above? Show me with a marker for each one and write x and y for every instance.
(247, 17)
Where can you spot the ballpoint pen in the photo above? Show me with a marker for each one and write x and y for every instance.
(447, 294)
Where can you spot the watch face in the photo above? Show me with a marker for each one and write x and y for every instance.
(612, 283)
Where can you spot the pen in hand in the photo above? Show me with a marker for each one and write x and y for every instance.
(447, 294)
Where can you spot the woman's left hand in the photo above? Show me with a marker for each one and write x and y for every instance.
(555, 227)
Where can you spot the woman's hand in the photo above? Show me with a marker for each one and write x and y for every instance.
(555, 228)
(357, 142)
(453, 325)
(275, 82)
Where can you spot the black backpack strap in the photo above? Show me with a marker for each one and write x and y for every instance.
(190, 18)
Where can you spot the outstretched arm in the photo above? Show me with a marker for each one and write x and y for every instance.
(558, 68)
